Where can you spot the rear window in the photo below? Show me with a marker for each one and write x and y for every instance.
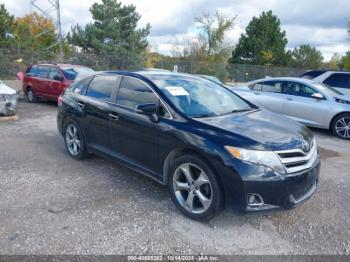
(338, 80)
(273, 86)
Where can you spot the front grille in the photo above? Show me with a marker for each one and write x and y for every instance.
(295, 160)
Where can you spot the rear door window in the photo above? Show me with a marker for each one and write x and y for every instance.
(256, 87)
(102, 87)
(272, 86)
(43, 71)
(338, 80)
(32, 70)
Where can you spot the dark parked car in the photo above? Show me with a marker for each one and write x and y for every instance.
(209, 146)
(48, 81)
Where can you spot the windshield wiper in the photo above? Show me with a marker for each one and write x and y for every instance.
(202, 116)
(241, 110)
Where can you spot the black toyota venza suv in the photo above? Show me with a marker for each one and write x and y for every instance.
(208, 145)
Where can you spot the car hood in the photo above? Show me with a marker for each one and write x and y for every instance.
(261, 129)
(5, 90)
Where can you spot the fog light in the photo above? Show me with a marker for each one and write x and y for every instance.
(255, 200)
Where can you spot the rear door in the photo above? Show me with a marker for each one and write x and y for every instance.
(96, 105)
(341, 81)
(270, 94)
(55, 86)
(42, 84)
(301, 107)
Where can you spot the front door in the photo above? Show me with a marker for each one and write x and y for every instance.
(55, 85)
(300, 106)
(134, 136)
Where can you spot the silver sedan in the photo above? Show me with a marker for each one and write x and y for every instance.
(306, 101)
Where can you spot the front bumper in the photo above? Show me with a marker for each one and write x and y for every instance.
(8, 107)
(287, 193)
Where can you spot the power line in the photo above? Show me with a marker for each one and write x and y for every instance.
(51, 10)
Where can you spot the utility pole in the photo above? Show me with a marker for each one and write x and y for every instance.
(51, 10)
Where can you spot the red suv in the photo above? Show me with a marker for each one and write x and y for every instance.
(48, 81)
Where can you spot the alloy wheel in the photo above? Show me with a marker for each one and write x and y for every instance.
(342, 127)
(192, 188)
(73, 140)
(30, 95)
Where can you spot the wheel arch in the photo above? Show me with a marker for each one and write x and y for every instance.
(174, 154)
(28, 86)
(334, 117)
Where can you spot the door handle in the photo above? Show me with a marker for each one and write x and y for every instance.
(81, 105)
(113, 116)
(290, 99)
(257, 94)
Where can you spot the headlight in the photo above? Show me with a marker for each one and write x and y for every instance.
(264, 158)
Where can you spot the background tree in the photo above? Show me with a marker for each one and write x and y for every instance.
(6, 27)
(113, 32)
(34, 32)
(263, 39)
(306, 56)
(334, 63)
(213, 30)
(346, 61)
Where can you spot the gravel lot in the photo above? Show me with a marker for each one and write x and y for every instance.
(52, 204)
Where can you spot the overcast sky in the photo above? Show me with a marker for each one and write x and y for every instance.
(321, 23)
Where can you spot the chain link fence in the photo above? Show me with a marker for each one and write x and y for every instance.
(13, 61)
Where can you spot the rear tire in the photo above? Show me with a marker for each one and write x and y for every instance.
(31, 98)
(195, 189)
(74, 141)
(341, 126)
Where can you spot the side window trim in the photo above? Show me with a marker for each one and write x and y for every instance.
(133, 109)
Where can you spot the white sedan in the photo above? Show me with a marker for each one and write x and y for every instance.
(8, 100)
(311, 103)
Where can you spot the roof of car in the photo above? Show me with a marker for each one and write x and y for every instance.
(330, 70)
(59, 65)
(296, 79)
(150, 73)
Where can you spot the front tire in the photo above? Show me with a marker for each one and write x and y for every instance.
(195, 189)
(341, 126)
(74, 141)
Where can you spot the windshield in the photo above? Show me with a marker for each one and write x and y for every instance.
(198, 97)
(212, 78)
(71, 72)
(327, 90)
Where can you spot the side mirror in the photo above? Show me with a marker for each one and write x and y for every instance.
(317, 96)
(147, 109)
(57, 78)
